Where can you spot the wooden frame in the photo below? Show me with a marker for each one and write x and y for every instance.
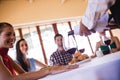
(55, 28)
(20, 33)
(41, 43)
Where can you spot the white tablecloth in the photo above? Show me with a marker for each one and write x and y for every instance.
(99, 68)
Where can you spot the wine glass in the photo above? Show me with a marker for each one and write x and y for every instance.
(107, 41)
(82, 50)
(72, 40)
(71, 50)
(71, 33)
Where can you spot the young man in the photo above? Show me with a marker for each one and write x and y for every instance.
(60, 56)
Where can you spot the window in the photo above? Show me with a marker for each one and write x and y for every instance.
(82, 41)
(94, 38)
(74, 23)
(116, 32)
(47, 34)
(31, 36)
(63, 28)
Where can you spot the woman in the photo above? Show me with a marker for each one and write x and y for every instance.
(8, 67)
(114, 44)
(28, 64)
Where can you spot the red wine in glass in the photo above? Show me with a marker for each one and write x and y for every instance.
(107, 42)
(82, 50)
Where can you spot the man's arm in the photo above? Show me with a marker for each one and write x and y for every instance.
(95, 10)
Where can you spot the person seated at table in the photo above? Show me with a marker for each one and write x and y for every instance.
(28, 64)
(60, 56)
(8, 68)
(114, 44)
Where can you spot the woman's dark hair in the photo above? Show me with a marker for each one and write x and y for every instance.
(3, 25)
(20, 55)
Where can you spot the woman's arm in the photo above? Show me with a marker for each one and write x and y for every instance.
(97, 46)
(117, 42)
(17, 67)
(6, 75)
(40, 63)
(96, 49)
(4, 72)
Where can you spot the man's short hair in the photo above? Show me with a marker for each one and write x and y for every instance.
(57, 35)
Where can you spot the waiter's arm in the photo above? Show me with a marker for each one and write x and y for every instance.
(95, 10)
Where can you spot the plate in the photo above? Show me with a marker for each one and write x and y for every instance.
(84, 61)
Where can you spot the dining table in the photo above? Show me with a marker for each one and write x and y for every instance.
(106, 67)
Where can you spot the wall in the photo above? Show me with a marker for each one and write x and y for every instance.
(116, 32)
(21, 11)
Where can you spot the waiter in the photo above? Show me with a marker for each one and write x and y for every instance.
(95, 10)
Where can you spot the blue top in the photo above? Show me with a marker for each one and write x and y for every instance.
(32, 64)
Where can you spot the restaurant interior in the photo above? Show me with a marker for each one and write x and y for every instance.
(37, 21)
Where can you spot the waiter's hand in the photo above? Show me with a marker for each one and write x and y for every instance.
(84, 31)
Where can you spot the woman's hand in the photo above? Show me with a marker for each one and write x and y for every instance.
(59, 69)
(113, 50)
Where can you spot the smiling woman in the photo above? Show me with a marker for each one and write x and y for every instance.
(7, 33)
(7, 38)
